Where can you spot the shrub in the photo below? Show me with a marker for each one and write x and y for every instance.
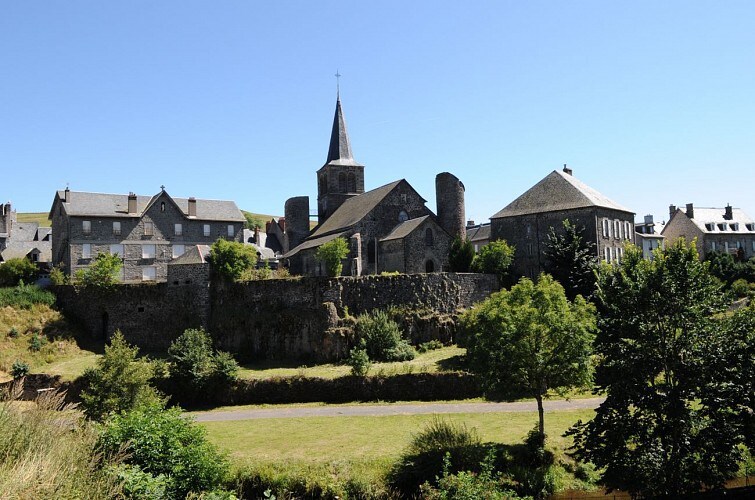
(36, 342)
(460, 255)
(13, 333)
(740, 288)
(58, 277)
(15, 271)
(380, 336)
(423, 460)
(162, 441)
(359, 362)
(332, 254)
(25, 296)
(494, 258)
(19, 369)
(118, 382)
(102, 273)
(430, 345)
(466, 485)
(139, 484)
(231, 259)
(195, 366)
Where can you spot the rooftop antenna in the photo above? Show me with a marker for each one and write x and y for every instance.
(338, 84)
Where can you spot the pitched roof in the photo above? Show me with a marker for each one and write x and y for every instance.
(405, 228)
(479, 233)
(557, 191)
(354, 209)
(195, 254)
(312, 243)
(711, 220)
(116, 205)
(339, 152)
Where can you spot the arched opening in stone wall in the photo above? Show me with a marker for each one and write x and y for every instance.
(429, 266)
(352, 183)
(371, 252)
(342, 182)
(429, 237)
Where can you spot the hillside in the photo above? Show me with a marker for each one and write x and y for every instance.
(40, 217)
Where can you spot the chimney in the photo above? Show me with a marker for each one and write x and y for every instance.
(192, 207)
(257, 235)
(729, 213)
(690, 211)
(671, 211)
(66, 195)
(131, 203)
(567, 170)
(470, 223)
(648, 219)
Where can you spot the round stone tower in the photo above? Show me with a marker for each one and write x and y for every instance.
(449, 194)
(297, 220)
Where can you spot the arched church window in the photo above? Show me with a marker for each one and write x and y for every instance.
(352, 182)
(321, 184)
(342, 182)
(403, 216)
(429, 237)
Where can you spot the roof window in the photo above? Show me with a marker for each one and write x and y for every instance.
(722, 226)
(710, 226)
(750, 226)
(734, 226)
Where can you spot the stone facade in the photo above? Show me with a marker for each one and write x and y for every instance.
(422, 250)
(23, 240)
(147, 232)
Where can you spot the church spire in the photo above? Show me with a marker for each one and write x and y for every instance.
(339, 152)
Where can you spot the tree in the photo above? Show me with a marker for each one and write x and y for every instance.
(460, 255)
(529, 341)
(667, 427)
(252, 221)
(102, 273)
(571, 260)
(494, 258)
(231, 259)
(14, 271)
(196, 366)
(119, 381)
(332, 254)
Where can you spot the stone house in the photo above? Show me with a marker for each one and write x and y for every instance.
(726, 229)
(647, 237)
(526, 222)
(23, 240)
(478, 234)
(146, 231)
(388, 228)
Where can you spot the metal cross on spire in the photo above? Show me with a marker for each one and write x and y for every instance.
(338, 84)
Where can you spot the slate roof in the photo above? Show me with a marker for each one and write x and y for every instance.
(405, 228)
(479, 233)
(715, 216)
(313, 243)
(557, 191)
(20, 249)
(339, 152)
(116, 205)
(195, 254)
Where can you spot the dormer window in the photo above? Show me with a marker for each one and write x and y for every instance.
(734, 226)
(710, 226)
(750, 226)
(722, 226)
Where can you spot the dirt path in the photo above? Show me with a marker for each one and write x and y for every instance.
(393, 409)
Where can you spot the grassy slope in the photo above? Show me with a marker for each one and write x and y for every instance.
(40, 217)
(61, 355)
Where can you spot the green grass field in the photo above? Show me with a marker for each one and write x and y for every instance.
(431, 361)
(40, 217)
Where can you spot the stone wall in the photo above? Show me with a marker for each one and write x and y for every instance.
(306, 318)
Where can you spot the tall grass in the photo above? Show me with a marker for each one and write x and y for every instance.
(47, 450)
(25, 296)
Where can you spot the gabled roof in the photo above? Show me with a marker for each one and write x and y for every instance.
(312, 243)
(478, 233)
(81, 204)
(355, 209)
(405, 228)
(339, 152)
(557, 191)
(195, 254)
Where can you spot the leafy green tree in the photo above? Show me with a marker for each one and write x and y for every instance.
(119, 381)
(460, 255)
(494, 258)
(380, 337)
(332, 254)
(571, 260)
(530, 341)
(667, 426)
(14, 271)
(231, 259)
(168, 446)
(102, 273)
(196, 366)
(252, 220)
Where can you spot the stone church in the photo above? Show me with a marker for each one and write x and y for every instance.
(388, 228)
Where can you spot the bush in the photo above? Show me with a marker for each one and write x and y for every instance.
(102, 273)
(139, 484)
(359, 362)
(231, 259)
(460, 255)
(36, 342)
(163, 442)
(466, 485)
(494, 258)
(740, 288)
(332, 254)
(25, 296)
(15, 271)
(424, 459)
(380, 336)
(19, 369)
(430, 345)
(118, 382)
(13, 333)
(58, 277)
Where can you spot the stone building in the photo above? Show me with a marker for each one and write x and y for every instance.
(527, 221)
(478, 234)
(23, 240)
(647, 237)
(724, 229)
(146, 231)
(388, 228)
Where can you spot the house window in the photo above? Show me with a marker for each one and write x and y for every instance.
(34, 257)
(178, 250)
(726, 246)
(710, 226)
(149, 273)
(628, 230)
(428, 237)
(86, 227)
(206, 230)
(753, 245)
(117, 250)
(529, 249)
(616, 229)
(722, 226)
(750, 227)
(116, 228)
(231, 231)
(149, 229)
(712, 246)
(607, 254)
(86, 251)
(178, 229)
(148, 251)
(606, 230)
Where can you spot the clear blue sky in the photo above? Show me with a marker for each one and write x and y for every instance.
(650, 103)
